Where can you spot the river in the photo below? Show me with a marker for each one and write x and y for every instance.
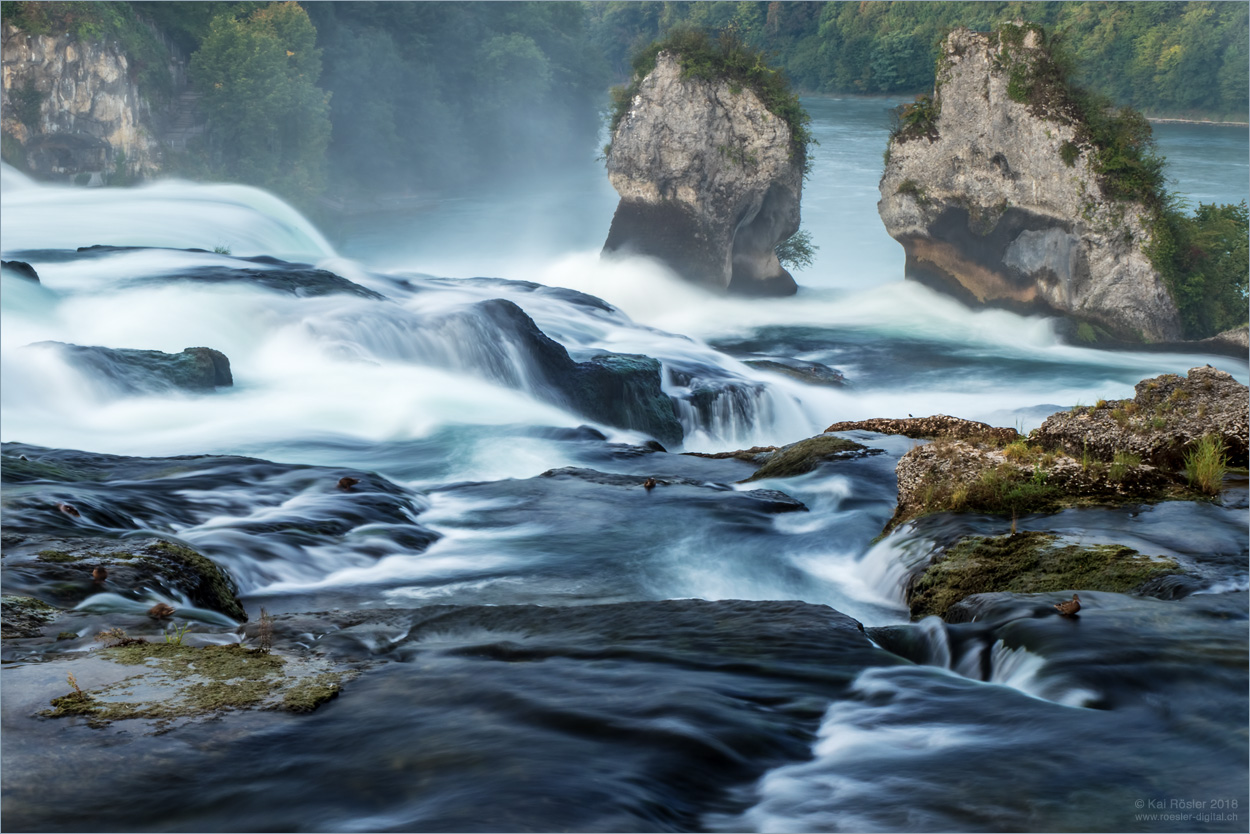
(577, 660)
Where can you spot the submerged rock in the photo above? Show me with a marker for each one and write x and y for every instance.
(813, 373)
(148, 371)
(1027, 563)
(59, 570)
(993, 194)
(22, 269)
(709, 182)
(793, 459)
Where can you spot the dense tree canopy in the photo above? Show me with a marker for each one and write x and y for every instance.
(1182, 58)
(269, 120)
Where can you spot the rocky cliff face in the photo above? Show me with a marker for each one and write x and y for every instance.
(708, 182)
(997, 202)
(72, 107)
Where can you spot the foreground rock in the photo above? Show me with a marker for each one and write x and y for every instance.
(464, 698)
(130, 371)
(1165, 417)
(709, 182)
(992, 192)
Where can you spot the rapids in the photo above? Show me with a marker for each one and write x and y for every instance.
(556, 647)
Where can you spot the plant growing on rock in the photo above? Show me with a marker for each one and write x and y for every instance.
(1205, 464)
(916, 120)
(726, 56)
(797, 250)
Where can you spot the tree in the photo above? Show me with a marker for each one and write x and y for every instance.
(268, 121)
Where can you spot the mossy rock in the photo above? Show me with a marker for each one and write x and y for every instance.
(189, 682)
(58, 556)
(198, 576)
(804, 456)
(59, 569)
(23, 616)
(17, 469)
(1029, 563)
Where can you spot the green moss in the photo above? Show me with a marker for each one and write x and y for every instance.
(57, 556)
(804, 456)
(23, 616)
(205, 582)
(307, 696)
(217, 662)
(725, 57)
(1069, 152)
(914, 190)
(1028, 563)
(190, 682)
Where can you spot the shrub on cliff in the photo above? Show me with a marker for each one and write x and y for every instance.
(1202, 259)
(727, 57)
(118, 22)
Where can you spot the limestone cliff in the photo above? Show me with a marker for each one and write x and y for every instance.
(72, 108)
(997, 200)
(708, 180)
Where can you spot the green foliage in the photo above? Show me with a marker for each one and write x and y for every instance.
(1205, 464)
(912, 121)
(1069, 152)
(175, 634)
(269, 122)
(1171, 59)
(1204, 263)
(726, 57)
(797, 250)
(911, 188)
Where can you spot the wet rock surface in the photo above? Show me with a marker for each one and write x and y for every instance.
(1028, 562)
(65, 571)
(129, 371)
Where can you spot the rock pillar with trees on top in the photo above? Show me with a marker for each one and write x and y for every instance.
(708, 151)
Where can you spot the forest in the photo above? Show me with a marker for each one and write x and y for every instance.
(362, 97)
(1166, 59)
